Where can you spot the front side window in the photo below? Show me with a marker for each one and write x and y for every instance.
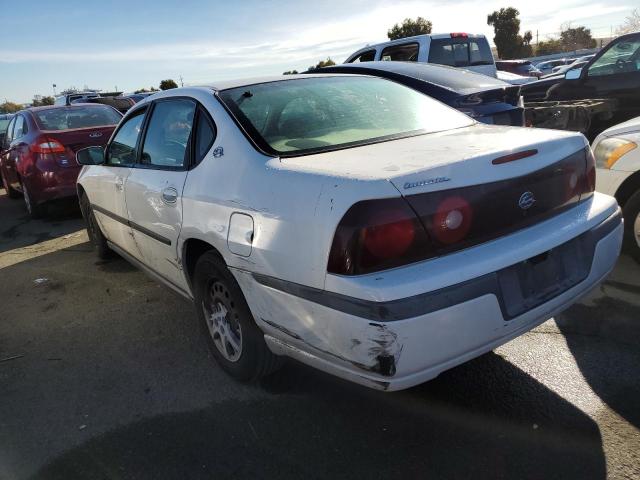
(622, 57)
(295, 117)
(407, 52)
(75, 117)
(368, 56)
(168, 133)
(122, 149)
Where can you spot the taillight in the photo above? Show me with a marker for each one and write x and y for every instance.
(45, 145)
(452, 220)
(375, 235)
(459, 35)
(590, 173)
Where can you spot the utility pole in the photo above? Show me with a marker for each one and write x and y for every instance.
(54, 89)
(536, 37)
(181, 82)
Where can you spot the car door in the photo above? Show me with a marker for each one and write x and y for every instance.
(105, 183)
(18, 148)
(154, 188)
(7, 172)
(616, 74)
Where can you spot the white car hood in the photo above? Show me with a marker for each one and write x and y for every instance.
(462, 157)
(630, 126)
(514, 79)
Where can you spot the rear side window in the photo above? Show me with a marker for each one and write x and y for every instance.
(205, 135)
(460, 52)
(407, 52)
(18, 127)
(122, 150)
(168, 133)
(368, 56)
(70, 118)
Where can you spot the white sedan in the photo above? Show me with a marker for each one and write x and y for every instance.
(618, 165)
(349, 222)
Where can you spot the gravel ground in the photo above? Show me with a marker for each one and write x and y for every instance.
(103, 374)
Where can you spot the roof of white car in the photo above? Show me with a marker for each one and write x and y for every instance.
(245, 82)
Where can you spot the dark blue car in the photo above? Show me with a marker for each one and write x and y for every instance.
(484, 98)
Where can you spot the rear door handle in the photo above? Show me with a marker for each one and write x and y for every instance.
(169, 195)
(119, 183)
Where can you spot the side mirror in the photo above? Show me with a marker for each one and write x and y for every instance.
(573, 74)
(90, 156)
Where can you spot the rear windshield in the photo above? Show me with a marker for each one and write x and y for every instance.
(308, 115)
(460, 52)
(76, 117)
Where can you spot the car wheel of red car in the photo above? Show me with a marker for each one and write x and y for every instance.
(96, 236)
(11, 192)
(35, 210)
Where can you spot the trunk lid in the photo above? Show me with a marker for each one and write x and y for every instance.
(77, 139)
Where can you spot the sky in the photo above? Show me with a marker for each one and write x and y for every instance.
(127, 45)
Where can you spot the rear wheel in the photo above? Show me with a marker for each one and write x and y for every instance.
(35, 210)
(233, 338)
(96, 236)
(631, 214)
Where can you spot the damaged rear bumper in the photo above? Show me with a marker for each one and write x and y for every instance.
(399, 343)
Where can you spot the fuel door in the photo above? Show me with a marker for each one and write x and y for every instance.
(240, 237)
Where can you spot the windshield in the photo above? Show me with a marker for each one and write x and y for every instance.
(326, 113)
(622, 57)
(76, 117)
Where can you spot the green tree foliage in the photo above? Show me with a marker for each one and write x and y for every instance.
(409, 28)
(144, 90)
(577, 38)
(549, 47)
(167, 84)
(322, 63)
(40, 101)
(506, 26)
(290, 72)
(10, 107)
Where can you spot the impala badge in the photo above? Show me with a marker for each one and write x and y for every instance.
(95, 134)
(427, 181)
(526, 201)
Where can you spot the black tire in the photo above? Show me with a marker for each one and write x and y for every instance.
(631, 213)
(215, 288)
(35, 210)
(97, 238)
(11, 192)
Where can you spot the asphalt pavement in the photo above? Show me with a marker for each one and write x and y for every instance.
(104, 374)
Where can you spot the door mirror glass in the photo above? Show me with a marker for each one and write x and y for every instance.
(90, 156)
(573, 74)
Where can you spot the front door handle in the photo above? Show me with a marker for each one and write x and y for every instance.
(169, 195)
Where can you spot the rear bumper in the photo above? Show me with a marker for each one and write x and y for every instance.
(400, 342)
(45, 186)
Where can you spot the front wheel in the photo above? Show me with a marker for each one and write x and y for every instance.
(631, 214)
(233, 338)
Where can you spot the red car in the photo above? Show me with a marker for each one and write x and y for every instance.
(38, 155)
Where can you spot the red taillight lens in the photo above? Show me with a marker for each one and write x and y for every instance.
(459, 35)
(590, 173)
(45, 145)
(375, 235)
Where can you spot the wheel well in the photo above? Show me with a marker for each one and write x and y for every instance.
(192, 250)
(80, 191)
(628, 188)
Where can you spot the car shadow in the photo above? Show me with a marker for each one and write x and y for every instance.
(603, 335)
(18, 229)
(485, 419)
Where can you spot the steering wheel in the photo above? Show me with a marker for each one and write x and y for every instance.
(621, 64)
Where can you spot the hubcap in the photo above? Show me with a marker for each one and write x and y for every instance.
(27, 200)
(222, 321)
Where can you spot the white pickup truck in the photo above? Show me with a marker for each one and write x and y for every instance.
(462, 50)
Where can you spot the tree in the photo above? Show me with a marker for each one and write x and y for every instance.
(322, 63)
(506, 26)
(167, 84)
(10, 107)
(291, 72)
(144, 90)
(410, 28)
(548, 47)
(40, 101)
(576, 39)
(631, 23)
